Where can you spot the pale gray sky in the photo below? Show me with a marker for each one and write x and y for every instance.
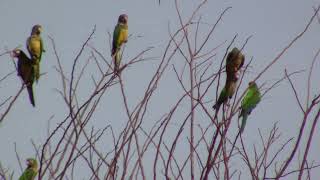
(272, 23)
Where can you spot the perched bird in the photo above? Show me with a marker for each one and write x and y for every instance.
(35, 48)
(120, 36)
(249, 102)
(25, 71)
(31, 171)
(226, 93)
(234, 62)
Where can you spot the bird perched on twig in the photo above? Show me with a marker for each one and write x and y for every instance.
(120, 36)
(31, 171)
(234, 62)
(249, 102)
(25, 71)
(35, 48)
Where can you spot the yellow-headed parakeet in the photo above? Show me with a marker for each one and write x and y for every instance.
(249, 102)
(234, 62)
(120, 36)
(35, 48)
(31, 171)
(25, 71)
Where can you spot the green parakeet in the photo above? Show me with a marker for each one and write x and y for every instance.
(249, 102)
(234, 62)
(226, 93)
(31, 171)
(120, 36)
(25, 71)
(35, 48)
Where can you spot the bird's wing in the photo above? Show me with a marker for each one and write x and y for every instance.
(115, 41)
(247, 99)
(28, 174)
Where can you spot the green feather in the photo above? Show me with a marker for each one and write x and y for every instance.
(28, 174)
(31, 171)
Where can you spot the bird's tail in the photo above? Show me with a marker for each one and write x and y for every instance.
(221, 99)
(113, 50)
(37, 74)
(116, 61)
(31, 97)
(244, 121)
(36, 69)
(217, 106)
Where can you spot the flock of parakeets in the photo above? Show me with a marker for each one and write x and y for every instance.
(29, 71)
(29, 68)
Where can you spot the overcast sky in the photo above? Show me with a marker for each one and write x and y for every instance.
(273, 24)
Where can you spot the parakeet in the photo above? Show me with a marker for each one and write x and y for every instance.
(227, 92)
(120, 36)
(25, 71)
(249, 102)
(35, 48)
(31, 171)
(234, 62)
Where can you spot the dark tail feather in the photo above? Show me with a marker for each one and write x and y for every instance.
(113, 51)
(217, 106)
(31, 97)
(218, 103)
(222, 99)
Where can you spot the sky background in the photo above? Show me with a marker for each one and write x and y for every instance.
(272, 23)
